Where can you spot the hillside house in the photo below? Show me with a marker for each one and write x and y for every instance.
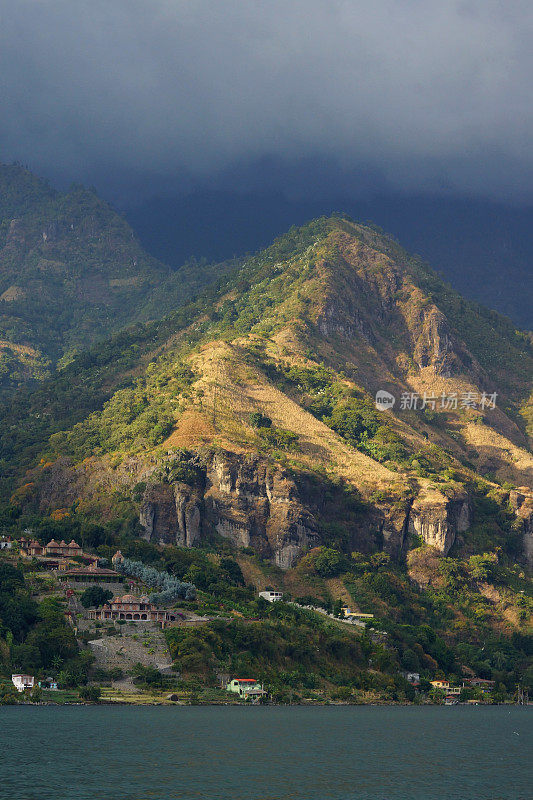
(134, 609)
(91, 574)
(451, 691)
(31, 548)
(271, 596)
(63, 549)
(441, 684)
(22, 682)
(6, 543)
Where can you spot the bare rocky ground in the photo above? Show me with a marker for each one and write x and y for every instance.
(125, 645)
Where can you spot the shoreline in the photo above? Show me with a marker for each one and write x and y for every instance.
(183, 704)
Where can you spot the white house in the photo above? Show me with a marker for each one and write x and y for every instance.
(22, 682)
(271, 596)
(246, 688)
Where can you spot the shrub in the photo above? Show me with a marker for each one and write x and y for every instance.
(258, 420)
(90, 693)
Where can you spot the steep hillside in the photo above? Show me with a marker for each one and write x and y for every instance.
(71, 272)
(246, 424)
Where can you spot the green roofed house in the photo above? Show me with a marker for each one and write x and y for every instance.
(246, 688)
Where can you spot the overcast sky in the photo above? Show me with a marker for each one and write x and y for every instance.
(313, 96)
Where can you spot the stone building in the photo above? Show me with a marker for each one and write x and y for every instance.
(134, 609)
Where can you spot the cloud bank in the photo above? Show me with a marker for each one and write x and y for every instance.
(413, 95)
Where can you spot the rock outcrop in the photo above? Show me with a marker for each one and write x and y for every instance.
(521, 501)
(242, 499)
(438, 519)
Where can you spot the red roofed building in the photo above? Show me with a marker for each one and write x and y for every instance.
(246, 688)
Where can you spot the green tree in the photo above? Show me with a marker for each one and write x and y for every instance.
(95, 596)
(329, 562)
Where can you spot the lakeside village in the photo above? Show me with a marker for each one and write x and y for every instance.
(122, 633)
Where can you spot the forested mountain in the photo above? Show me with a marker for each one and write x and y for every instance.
(71, 272)
(244, 426)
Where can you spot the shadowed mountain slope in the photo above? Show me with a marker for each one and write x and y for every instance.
(71, 272)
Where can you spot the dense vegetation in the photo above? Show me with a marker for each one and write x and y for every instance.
(34, 636)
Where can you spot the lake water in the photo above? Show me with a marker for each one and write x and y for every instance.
(268, 753)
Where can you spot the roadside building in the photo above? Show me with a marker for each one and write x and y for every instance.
(355, 615)
(22, 682)
(271, 596)
(246, 688)
(134, 609)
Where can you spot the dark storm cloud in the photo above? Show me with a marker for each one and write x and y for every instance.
(414, 94)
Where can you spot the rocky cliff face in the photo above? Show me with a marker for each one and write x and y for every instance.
(242, 499)
(521, 501)
(438, 519)
(257, 505)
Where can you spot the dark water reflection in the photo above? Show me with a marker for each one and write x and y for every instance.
(224, 753)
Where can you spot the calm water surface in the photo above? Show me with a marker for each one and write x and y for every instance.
(224, 753)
